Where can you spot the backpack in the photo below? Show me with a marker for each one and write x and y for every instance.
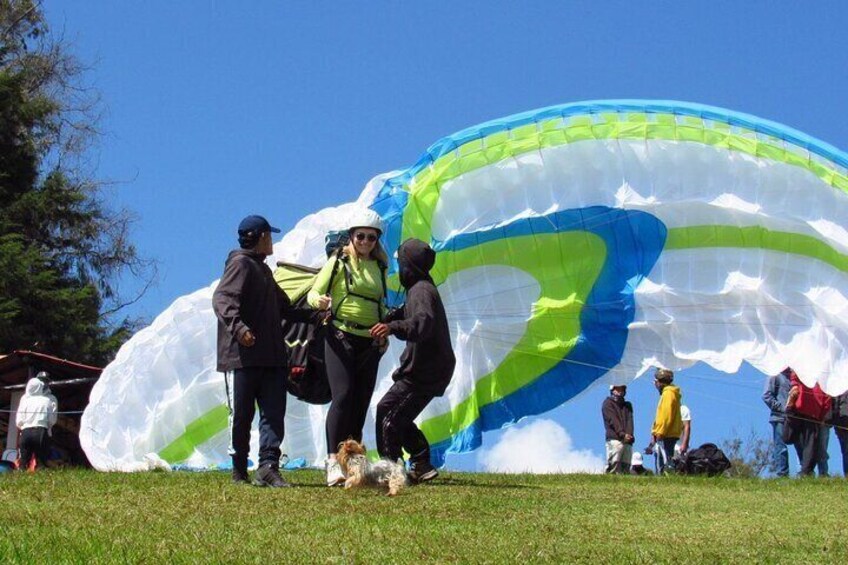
(335, 240)
(306, 376)
(706, 460)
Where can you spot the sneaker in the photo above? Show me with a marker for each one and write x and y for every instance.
(240, 476)
(269, 476)
(335, 477)
(422, 473)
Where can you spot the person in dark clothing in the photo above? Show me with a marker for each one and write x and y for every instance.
(806, 410)
(618, 423)
(839, 419)
(426, 365)
(250, 306)
(775, 396)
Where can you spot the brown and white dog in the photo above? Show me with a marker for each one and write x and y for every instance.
(361, 472)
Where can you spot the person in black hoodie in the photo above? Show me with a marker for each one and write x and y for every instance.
(250, 306)
(839, 419)
(618, 424)
(426, 365)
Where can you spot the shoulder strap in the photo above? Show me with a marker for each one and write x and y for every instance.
(335, 270)
(348, 292)
(338, 259)
(383, 269)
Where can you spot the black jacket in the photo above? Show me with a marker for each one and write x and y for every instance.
(428, 361)
(618, 418)
(248, 298)
(840, 409)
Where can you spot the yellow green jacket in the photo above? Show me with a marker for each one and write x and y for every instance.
(667, 422)
(366, 278)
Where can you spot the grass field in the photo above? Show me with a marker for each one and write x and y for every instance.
(84, 516)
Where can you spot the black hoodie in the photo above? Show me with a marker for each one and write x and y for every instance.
(248, 298)
(428, 361)
(618, 417)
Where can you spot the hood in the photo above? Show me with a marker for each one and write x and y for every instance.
(249, 252)
(35, 387)
(415, 259)
(672, 390)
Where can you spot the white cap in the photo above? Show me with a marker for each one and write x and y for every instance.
(636, 459)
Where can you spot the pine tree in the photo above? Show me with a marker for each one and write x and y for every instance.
(62, 249)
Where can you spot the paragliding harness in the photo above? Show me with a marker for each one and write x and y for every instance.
(342, 258)
(706, 460)
(304, 341)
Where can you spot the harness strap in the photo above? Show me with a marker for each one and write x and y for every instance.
(348, 279)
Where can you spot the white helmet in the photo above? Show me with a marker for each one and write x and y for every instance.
(365, 218)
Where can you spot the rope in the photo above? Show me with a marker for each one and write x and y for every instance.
(39, 411)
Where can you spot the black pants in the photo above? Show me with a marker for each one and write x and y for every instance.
(841, 428)
(396, 429)
(806, 443)
(33, 443)
(246, 388)
(351, 362)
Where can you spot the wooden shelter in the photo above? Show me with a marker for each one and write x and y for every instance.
(69, 382)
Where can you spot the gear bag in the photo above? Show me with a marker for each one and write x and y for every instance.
(335, 240)
(706, 460)
(306, 377)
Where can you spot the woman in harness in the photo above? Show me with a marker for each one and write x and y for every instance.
(352, 286)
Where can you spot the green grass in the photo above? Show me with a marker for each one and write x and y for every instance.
(84, 516)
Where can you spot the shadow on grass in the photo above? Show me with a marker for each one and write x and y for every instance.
(436, 483)
(462, 482)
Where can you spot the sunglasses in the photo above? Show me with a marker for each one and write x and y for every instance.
(362, 236)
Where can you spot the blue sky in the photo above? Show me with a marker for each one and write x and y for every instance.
(215, 110)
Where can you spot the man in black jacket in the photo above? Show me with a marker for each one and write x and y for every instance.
(249, 306)
(618, 422)
(839, 420)
(426, 365)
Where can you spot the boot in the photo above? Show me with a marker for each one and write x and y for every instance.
(240, 472)
(421, 472)
(268, 475)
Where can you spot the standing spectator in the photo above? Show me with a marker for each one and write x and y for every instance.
(249, 306)
(618, 424)
(806, 410)
(35, 417)
(667, 423)
(840, 424)
(823, 440)
(776, 395)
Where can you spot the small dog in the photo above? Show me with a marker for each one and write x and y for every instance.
(361, 473)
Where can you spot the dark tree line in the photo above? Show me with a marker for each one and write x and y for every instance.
(63, 250)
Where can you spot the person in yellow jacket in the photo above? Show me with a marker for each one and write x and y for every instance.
(352, 286)
(667, 423)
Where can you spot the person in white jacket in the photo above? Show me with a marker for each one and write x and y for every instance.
(36, 415)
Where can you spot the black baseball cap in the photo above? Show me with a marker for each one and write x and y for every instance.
(256, 224)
